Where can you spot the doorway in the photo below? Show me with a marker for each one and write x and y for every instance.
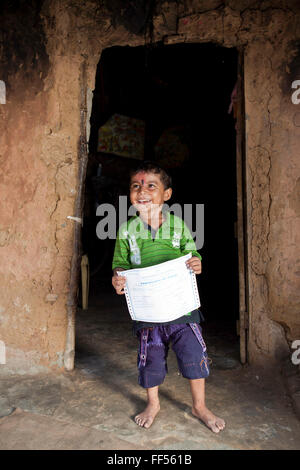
(180, 94)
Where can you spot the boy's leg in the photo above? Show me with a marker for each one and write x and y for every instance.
(146, 418)
(152, 370)
(199, 408)
(190, 350)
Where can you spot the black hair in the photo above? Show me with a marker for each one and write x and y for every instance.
(149, 166)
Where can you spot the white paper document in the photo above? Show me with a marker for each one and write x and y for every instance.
(161, 293)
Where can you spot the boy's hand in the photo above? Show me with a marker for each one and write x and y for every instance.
(118, 281)
(194, 263)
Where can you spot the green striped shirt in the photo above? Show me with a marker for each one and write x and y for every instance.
(135, 247)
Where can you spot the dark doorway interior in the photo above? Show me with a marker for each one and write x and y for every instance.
(186, 87)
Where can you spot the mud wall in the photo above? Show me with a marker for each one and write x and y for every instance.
(49, 54)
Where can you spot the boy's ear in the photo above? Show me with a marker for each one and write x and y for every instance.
(167, 194)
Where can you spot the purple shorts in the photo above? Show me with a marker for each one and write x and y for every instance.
(188, 345)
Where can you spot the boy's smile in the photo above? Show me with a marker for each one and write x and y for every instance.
(147, 192)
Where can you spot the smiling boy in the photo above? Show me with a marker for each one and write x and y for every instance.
(147, 239)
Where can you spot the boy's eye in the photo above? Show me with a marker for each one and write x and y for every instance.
(137, 186)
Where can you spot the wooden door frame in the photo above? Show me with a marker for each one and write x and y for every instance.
(69, 353)
(243, 322)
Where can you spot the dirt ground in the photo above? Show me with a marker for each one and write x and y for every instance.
(93, 406)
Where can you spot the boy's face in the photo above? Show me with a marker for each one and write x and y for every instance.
(147, 192)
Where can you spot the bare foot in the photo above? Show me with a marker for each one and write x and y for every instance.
(146, 418)
(212, 422)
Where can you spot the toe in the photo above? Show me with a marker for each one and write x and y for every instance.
(220, 424)
(215, 428)
(148, 423)
(137, 419)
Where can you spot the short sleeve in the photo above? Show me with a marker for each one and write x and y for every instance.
(187, 244)
(121, 258)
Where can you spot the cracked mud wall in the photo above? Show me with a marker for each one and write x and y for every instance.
(40, 130)
(273, 203)
(39, 156)
(38, 183)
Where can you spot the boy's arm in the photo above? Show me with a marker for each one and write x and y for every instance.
(187, 245)
(120, 263)
(118, 281)
(121, 258)
(194, 264)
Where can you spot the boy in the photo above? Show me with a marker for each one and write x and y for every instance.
(142, 242)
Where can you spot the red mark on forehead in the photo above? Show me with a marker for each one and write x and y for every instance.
(140, 177)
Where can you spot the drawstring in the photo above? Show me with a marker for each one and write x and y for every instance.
(143, 350)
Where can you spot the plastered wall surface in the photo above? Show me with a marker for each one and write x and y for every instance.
(43, 58)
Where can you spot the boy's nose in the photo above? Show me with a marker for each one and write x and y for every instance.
(142, 189)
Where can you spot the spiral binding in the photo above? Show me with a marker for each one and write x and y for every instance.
(128, 303)
(196, 292)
